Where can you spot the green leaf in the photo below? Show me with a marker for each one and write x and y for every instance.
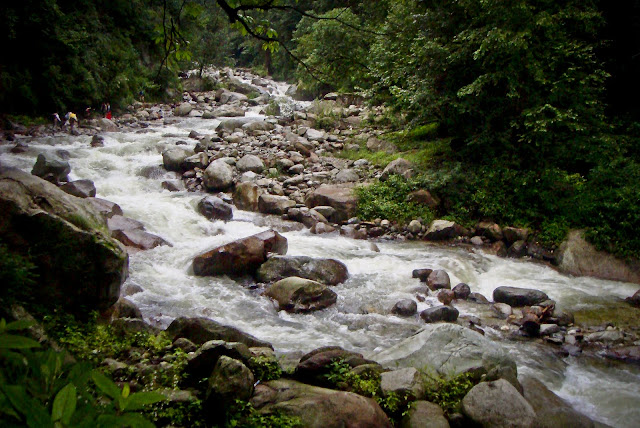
(64, 404)
(136, 420)
(140, 399)
(18, 397)
(10, 341)
(18, 325)
(38, 417)
(106, 385)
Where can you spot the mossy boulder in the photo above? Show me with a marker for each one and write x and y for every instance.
(77, 263)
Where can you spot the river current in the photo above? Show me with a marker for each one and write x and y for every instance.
(604, 390)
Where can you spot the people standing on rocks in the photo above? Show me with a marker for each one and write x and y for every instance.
(57, 122)
(141, 95)
(87, 113)
(71, 119)
(106, 110)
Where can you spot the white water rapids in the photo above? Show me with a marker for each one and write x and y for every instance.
(606, 391)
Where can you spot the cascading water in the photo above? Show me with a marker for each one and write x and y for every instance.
(127, 170)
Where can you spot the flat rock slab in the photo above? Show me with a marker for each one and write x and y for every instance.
(326, 271)
(498, 404)
(514, 296)
(200, 330)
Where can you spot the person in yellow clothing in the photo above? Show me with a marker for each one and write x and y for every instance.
(71, 119)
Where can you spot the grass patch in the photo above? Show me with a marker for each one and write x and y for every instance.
(447, 392)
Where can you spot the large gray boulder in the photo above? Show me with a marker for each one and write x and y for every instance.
(400, 167)
(578, 257)
(80, 188)
(246, 196)
(183, 109)
(424, 414)
(218, 176)
(273, 204)
(326, 271)
(173, 158)
(443, 230)
(241, 256)
(52, 168)
(107, 125)
(403, 382)
(200, 330)
(250, 163)
(498, 404)
(231, 124)
(341, 198)
(551, 410)
(215, 208)
(295, 294)
(448, 349)
(318, 407)
(78, 263)
(231, 380)
(515, 296)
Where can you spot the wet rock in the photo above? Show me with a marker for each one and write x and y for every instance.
(400, 167)
(78, 263)
(318, 407)
(353, 232)
(326, 271)
(97, 141)
(340, 198)
(231, 380)
(498, 404)
(295, 294)
(517, 250)
(513, 234)
(439, 313)
(215, 208)
(107, 125)
(118, 222)
(422, 274)
(405, 308)
(424, 414)
(499, 248)
(517, 297)
(199, 160)
(630, 354)
(51, 168)
(106, 208)
(20, 147)
(635, 299)
(445, 296)
(250, 163)
(461, 291)
(123, 308)
(200, 330)
(414, 226)
(607, 336)
(447, 349)
(309, 217)
(443, 230)
(80, 188)
(477, 241)
(405, 382)
(241, 256)
(271, 204)
(477, 298)
(218, 176)
(173, 158)
(173, 185)
(502, 310)
(438, 279)
(140, 239)
(246, 196)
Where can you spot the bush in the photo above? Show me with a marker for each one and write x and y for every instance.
(448, 392)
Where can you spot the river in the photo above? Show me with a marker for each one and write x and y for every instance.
(604, 390)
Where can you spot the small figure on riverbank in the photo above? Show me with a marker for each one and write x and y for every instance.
(57, 122)
(87, 113)
(71, 119)
(141, 96)
(106, 110)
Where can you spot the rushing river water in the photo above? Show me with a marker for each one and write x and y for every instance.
(606, 391)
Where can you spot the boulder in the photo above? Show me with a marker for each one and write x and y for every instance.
(340, 198)
(140, 239)
(515, 296)
(400, 167)
(326, 271)
(118, 222)
(513, 234)
(241, 256)
(315, 366)
(295, 294)
(309, 217)
(439, 279)
(106, 208)
(446, 296)
(246, 196)
(442, 230)
(424, 414)
(489, 230)
(498, 404)
(272, 204)
(215, 208)
(405, 308)
(173, 158)
(200, 330)
(551, 410)
(347, 176)
(423, 197)
(461, 291)
(635, 299)
(224, 111)
(218, 176)
(577, 257)
(414, 226)
(231, 124)
(448, 349)
(440, 313)
(80, 188)
(250, 163)
(183, 109)
(258, 125)
(231, 380)
(202, 363)
(107, 125)
(403, 382)
(123, 308)
(421, 274)
(517, 250)
(51, 168)
(318, 407)
(78, 263)
(199, 160)
(377, 145)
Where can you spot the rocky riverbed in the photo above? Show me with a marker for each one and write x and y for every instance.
(236, 168)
